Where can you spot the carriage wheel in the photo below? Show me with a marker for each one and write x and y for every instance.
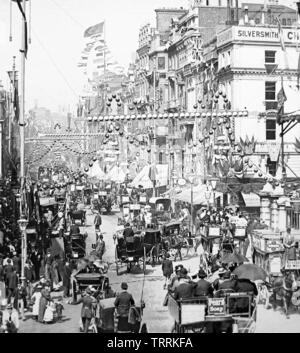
(144, 261)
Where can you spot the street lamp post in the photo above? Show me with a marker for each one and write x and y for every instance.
(22, 225)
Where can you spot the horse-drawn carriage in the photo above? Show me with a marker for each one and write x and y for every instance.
(176, 241)
(82, 280)
(78, 216)
(268, 251)
(104, 201)
(75, 246)
(226, 312)
(130, 251)
(160, 209)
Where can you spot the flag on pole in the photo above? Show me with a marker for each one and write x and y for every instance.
(281, 98)
(97, 30)
(280, 34)
(19, 3)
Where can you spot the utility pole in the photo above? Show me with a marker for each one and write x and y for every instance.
(22, 142)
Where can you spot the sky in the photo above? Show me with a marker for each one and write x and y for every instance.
(53, 79)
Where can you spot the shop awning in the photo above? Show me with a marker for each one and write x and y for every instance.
(251, 200)
(143, 178)
(199, 195)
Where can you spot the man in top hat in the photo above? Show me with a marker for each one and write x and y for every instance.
(203, 287)
(174, 279)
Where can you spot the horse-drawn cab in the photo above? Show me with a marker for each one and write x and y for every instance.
(75, 246)
(78, 215)
(105, 202)
(153, 244)
(130, 251)
(161, 209)
(226, 312)
(82, 280)
(211, 238)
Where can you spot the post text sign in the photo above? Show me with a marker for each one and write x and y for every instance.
(257, 34)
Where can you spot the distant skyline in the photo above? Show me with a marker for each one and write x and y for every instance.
(52, 76)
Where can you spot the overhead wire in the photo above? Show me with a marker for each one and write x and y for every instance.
(67, 14)
(54, 63)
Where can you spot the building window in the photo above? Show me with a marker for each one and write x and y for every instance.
(160, 158)
(270, 91)
(161, 63)
(220, 2)
(270, 129)
(257, 20)
(284, 21)
(207, 2)
(272, 166)
(289, 22)
(270, 56)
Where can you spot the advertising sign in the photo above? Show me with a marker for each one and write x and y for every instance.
(292, 265)
(216, 306)
(255, 34)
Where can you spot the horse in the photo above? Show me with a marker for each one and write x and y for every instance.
(283, 289)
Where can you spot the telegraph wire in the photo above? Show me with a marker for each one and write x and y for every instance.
(54, 64)
(67, 14)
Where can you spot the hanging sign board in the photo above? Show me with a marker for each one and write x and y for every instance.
(72, 187)
(96, 196)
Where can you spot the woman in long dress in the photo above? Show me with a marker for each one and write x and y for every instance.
(45, 299)
(36, 297)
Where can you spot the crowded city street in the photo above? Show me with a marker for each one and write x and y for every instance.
(150, 176)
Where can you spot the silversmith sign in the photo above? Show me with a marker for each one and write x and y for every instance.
(257, 34)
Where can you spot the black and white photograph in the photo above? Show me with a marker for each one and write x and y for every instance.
(149, 169)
